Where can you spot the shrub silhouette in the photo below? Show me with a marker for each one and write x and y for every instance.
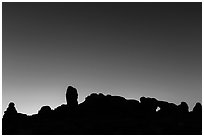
(103, 114)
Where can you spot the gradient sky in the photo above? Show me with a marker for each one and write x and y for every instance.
(125, 49)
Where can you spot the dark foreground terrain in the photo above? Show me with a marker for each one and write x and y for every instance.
(106, 115)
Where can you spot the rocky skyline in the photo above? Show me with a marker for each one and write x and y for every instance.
(106, 115)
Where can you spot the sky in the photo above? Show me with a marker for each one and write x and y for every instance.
(124, 49)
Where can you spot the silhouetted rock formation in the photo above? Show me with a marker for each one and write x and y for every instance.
(106, 115)
(197, 108)
(11, 110)
(71, 97)
(45, 110)
(183, 107)
(13, 121)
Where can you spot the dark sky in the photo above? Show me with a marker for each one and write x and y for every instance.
(127, 49)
